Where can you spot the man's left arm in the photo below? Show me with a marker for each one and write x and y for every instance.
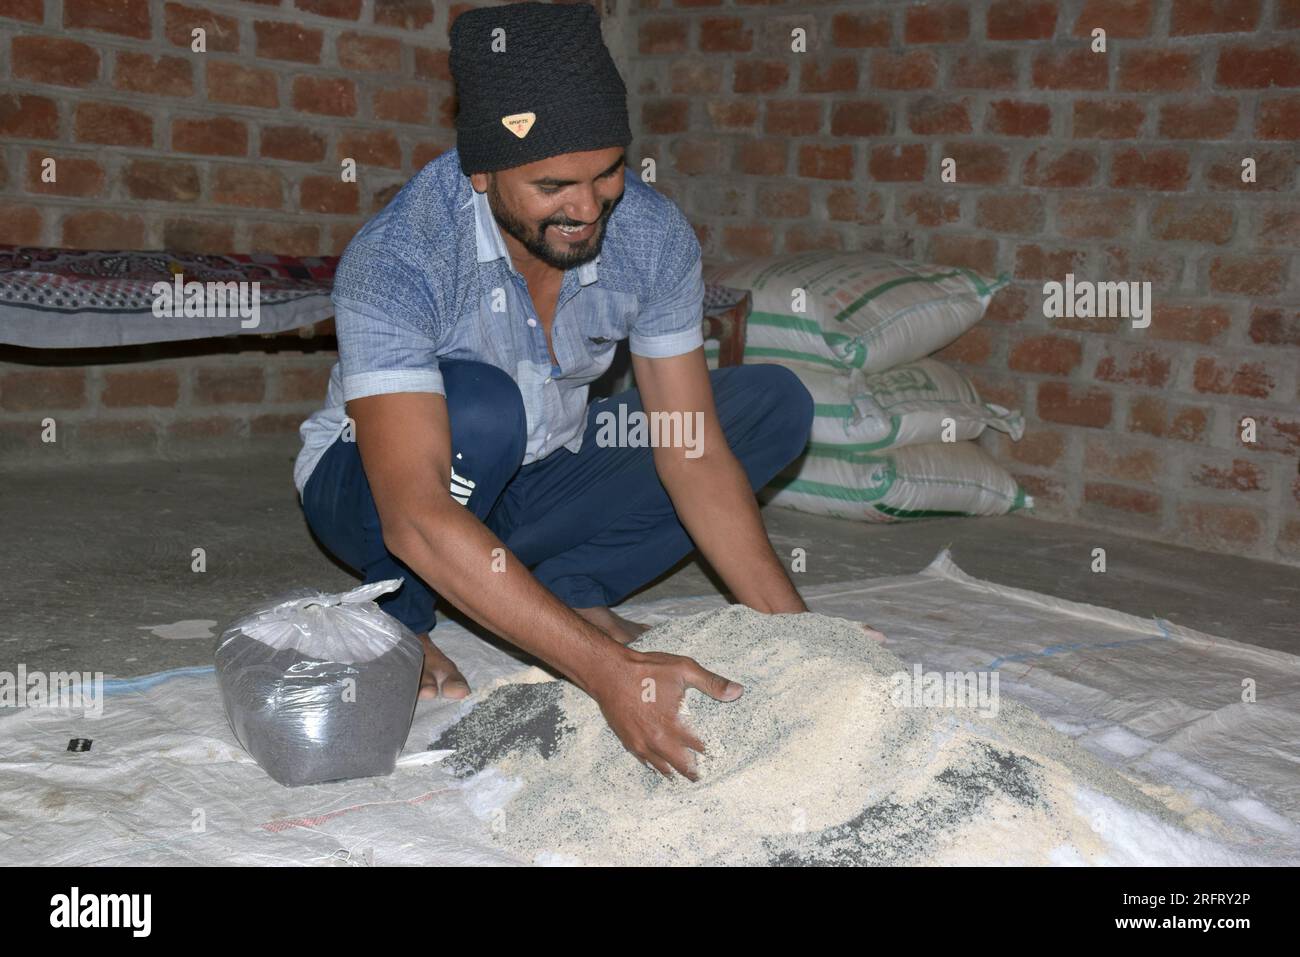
(710, 490)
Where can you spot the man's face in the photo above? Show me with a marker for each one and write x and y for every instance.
(531, 202)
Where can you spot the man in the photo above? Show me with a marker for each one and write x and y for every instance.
(472, 313)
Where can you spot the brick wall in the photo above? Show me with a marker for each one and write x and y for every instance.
(1116, 166)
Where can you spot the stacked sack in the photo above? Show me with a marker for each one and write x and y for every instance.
(893, 433)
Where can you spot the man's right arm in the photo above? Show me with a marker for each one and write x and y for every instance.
(405, 446)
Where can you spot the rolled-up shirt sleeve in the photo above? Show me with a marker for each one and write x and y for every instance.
(672, 324)
(386, 325)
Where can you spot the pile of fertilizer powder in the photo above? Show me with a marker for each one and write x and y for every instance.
(814, 764)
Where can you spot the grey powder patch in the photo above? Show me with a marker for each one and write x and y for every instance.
(512, 720)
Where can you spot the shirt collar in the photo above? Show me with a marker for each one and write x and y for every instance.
(488, 236)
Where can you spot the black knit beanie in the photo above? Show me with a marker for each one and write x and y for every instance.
(553, 89)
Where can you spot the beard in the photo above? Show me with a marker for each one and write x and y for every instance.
(533, 237)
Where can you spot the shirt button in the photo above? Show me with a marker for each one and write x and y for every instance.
(532, 322)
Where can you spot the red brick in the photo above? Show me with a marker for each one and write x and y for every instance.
(979, 253)
(1257, 68)
(424, 153)
(73, 175)
(693, 76)
(1003, 390)
(1021, 20)
(735, 114)
(295, 143)
(1104, 459)
(1153, 71)
(1151, 415)
(112, 125)
(1250, 379)
(1088, 217)
(1044, 490)
(783, 202)
(1133, 365)
(1238, 476)
(328, 96)
(1274, 171)
(1019, 118)
(372, 54)
(844, 205)
(159, 180)
(1051, 355)
(1211, 118)
(892, 164)
(859, 30)
(340, 9)
(212, 136)
(762, 157)
(991, 70)
(1192, 220)
(246, 86)
(1122, 19)
(371, 148)
(665, 116)
(1037, 262)
(43, 390)
(837, 76)
(287, 41)
(1189, 322)
(1121, 498)
(1248, 275)
(1074, 405)
(247, 186)
(930, 209)
(33, 11)
(402, 104)
(405, 14)
(662, 36)
(432, 65)
(1078, 69)
(227, 385)
(1275, 325)
(1012, 213)
(1158, 266)
(1189, 17)
(1162, 170)
(1068, 168)
(794, 118)
(826, 162)
(98, 229)
(725, 35)
(936, 23)
(145, 73)
(1009, 304)
(1108, 119)
(221, 33)
(20, 225)
(1039, 446)
(1288, 14)
(28, 117)
(52, 60)
(302, 383)
(860, 118)
(981, 163)
(286, 240)
(1275, 435)
(937, 116)
(759, 76)
(699, 157)
(327, 194)
(814, 237)
(199, 236)
(140, 387)
(748, 241)
(128, 18)
(914, 70)
(972, 347)
(1222, 527)
(1278, 118)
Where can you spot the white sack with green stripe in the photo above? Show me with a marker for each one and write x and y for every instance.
(857, 310)
(915, 481)
(922, 401)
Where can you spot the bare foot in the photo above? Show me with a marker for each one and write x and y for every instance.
(620, 629)
(440, 676)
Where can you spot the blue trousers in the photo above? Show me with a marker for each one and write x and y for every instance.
(592, 526)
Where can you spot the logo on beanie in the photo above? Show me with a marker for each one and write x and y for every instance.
(519, 123)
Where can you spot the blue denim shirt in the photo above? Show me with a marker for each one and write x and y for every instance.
(430, 277)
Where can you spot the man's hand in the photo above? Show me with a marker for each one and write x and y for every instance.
(639, 694)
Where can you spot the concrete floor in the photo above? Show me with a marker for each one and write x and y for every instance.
(95, 558)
